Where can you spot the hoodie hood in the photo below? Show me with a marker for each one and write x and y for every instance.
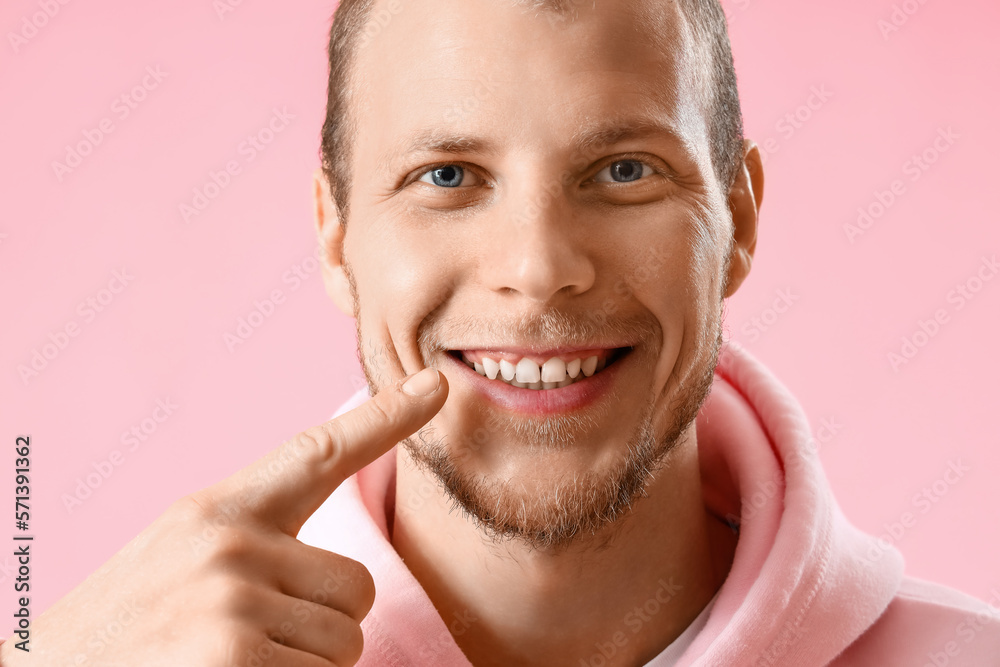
(804, 583)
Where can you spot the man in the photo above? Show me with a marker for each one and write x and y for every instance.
(535, 212)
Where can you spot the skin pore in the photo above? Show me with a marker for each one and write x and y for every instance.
(575, 206)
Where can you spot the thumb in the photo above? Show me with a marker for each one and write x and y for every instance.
(288, 484)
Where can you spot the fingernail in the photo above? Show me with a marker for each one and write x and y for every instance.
(423, 383)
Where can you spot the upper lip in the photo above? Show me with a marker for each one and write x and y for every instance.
(536, 351)
(538, 354)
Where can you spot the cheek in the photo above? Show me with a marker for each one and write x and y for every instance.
(401, 278)
(662, 268)
(672, 272)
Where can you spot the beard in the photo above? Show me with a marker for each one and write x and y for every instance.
(578, 507)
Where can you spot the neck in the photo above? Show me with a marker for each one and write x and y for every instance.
(628, 591)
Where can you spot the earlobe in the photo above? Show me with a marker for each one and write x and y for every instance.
(744, 204)
(330, 235)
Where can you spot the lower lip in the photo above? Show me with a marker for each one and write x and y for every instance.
(543, 401)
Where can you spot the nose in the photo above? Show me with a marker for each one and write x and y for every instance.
(535, 250)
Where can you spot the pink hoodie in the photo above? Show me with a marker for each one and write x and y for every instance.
(806, 587)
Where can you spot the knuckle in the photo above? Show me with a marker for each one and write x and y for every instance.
(319, 444)
(214, 534)
(380, 416)
(203, 507)
(237, 601)
(231, 545)
(366, 591)
(192, 507)
(356, 580)
(347, 640)
(345, 637)
(353, 642)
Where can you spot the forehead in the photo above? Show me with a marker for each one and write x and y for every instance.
(494, 72)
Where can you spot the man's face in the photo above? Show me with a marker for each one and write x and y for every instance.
(535, 188)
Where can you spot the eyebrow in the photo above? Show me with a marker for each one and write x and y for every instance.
(608, 133)
(586, 140)
(434, 140)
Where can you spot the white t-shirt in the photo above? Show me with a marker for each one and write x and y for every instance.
(669, 656)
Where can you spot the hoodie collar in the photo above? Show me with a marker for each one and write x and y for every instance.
(804, 582)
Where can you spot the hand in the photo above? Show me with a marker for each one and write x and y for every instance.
(219, 578)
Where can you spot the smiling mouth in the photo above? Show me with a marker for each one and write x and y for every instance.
(539, 372)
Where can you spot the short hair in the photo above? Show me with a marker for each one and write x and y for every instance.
(708, 25)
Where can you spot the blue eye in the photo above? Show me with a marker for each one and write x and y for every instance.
(624, 171)
(446, 176)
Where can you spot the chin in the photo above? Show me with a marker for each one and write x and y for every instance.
(544, 483)
(550, 444)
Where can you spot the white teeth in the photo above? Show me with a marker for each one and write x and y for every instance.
(528, 371)
(491, 367)
(554, 370)
(553, 374)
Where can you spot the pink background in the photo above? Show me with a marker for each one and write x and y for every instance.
(162, 336)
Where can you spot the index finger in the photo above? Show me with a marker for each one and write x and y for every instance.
(290, 482)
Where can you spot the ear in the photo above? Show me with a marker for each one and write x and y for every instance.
(744, 203)
(330, 234)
